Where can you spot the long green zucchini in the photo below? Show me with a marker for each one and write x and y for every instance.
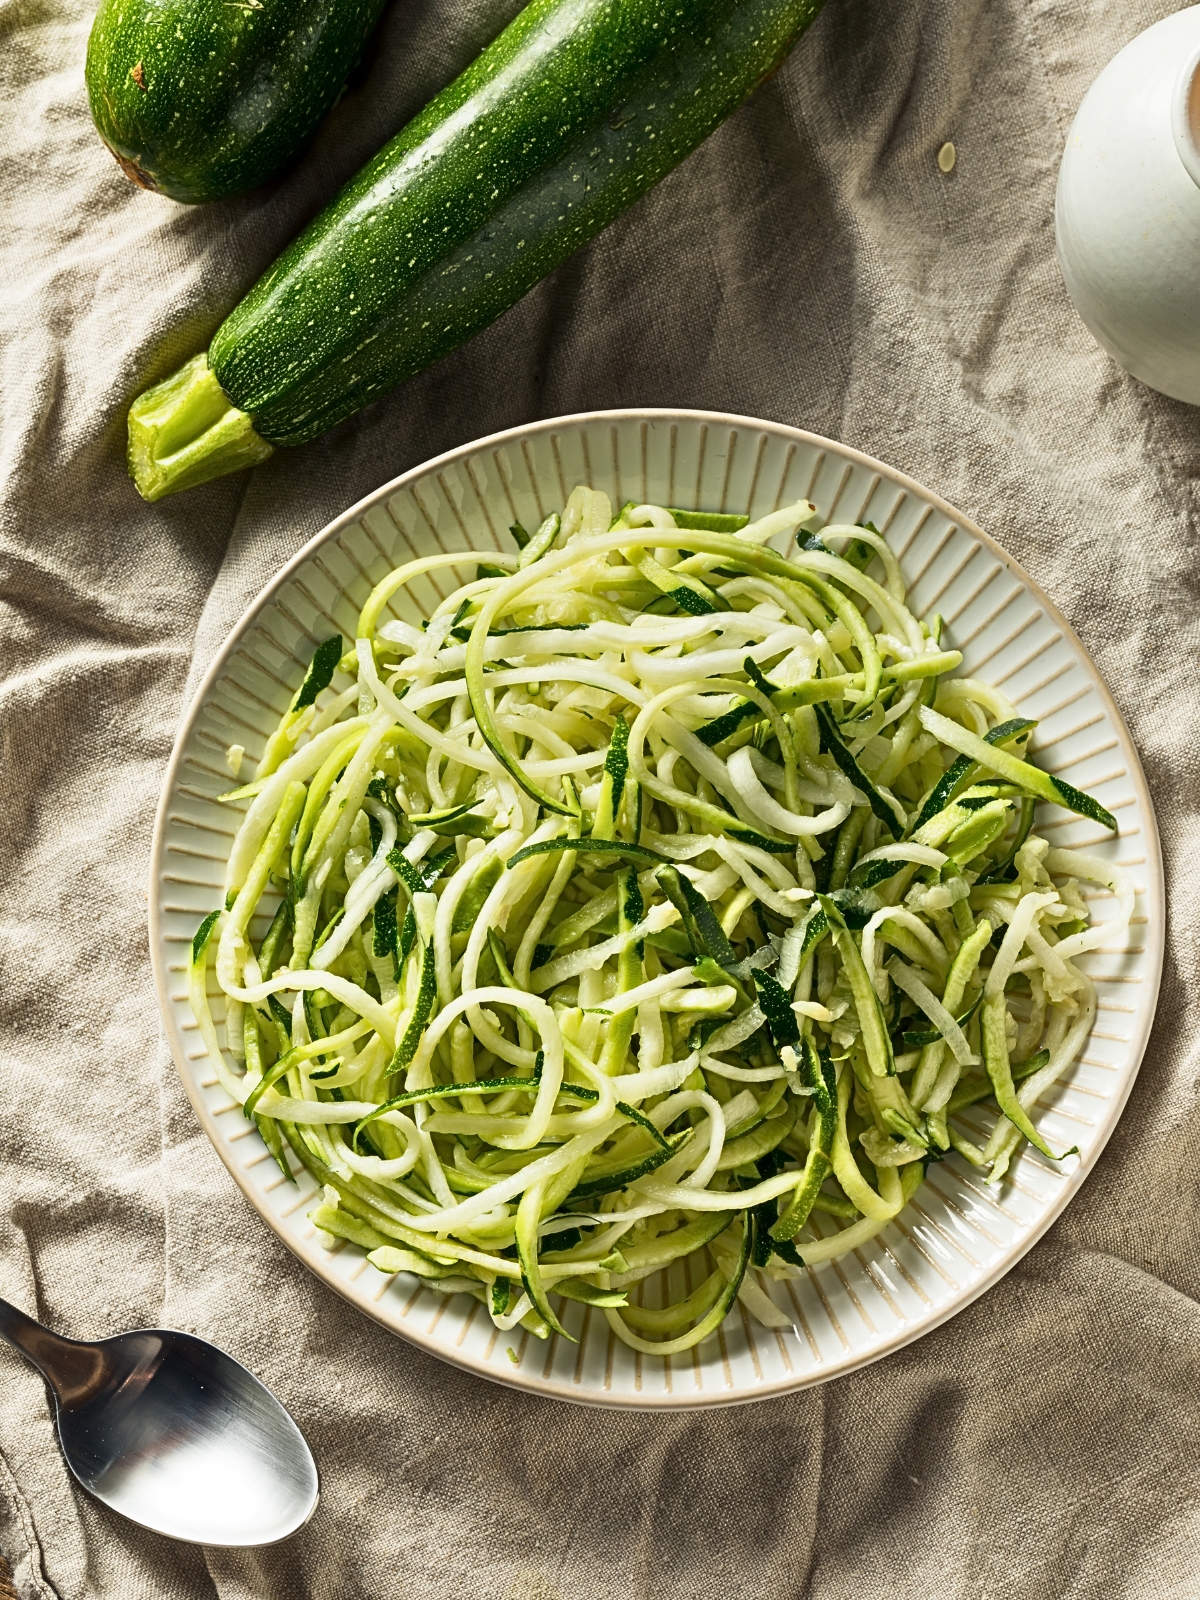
(569, 116)
(200, 99)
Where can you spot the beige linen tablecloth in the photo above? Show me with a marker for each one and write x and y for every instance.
(811, 264)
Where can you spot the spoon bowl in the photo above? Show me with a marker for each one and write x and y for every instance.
(174, 1434)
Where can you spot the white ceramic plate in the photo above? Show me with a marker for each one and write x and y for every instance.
(958, 1236)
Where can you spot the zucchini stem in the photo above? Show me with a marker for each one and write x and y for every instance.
(185, 431)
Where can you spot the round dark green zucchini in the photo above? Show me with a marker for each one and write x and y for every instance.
(576, 110)
(200, 99)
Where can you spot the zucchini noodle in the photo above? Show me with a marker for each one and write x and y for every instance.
(660, 894)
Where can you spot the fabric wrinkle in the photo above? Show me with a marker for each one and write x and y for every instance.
(810, 264)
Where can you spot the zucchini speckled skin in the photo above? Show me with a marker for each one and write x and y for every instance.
(576, 110)
(201, 99)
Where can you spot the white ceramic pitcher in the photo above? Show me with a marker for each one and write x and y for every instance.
(1128, 207)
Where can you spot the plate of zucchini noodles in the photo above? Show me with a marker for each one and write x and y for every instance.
(656, 908)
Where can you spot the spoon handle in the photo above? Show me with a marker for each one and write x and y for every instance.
(71, 1369)
(23, 1332)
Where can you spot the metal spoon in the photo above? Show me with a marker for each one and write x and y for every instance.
(173, 1433)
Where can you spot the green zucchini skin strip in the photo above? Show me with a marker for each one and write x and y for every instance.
(422, 877)
(543, 540)
(763, 841)
(816, 930)
(407, 1044)
(712, 1320)
(973, 837)
(917, 1041)
(417, 880)
(666, 1322)
(972, 1089)
(873, 873)
(802, 694)
(613, 1181)
(767, 1136)
(944, 791)
(817, 1074)
(463, 634)
(630, 972)
(995, 1061)
(777, 1008)
(320, 673)
(1035, 1063)
(705, 933)
(629, 1111)
(440, 1091)
(857, 552)
(688, 593)
(345, 1225)
(579, 1289)
(709, 521)
(612, 784)
(1004, 870)
(668, 1247)
(268, 1129)
(318, 792)
(831, 740)
(1066, 794)
(318, 677)
(201, 937)
(457, 820)
(385, 931)
(619, 848)
(956, 778)
(282, 1016)
(1029, 777)
(876, 1039)
(529, 1216)
(720, 728)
